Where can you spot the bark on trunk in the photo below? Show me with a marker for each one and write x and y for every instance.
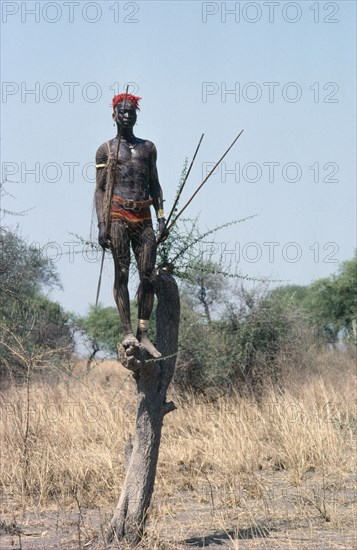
(152, 380)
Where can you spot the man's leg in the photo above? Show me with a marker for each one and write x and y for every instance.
(120, 247)
(144, 246)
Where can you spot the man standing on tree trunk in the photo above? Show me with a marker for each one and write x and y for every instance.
(136, 187)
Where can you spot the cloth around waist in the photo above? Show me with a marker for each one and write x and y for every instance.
(119, 212)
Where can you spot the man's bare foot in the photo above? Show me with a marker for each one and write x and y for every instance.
(130, 340)
(147, 344)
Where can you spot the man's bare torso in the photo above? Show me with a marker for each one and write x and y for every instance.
(136, 174)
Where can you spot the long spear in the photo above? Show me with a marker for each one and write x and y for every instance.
(204, 181)
(110, 193)
(181, 189)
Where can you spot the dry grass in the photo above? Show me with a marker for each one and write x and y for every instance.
(231, 465)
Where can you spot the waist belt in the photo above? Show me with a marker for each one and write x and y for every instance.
(131, 204)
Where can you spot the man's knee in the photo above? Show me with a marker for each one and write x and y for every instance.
(121, 276)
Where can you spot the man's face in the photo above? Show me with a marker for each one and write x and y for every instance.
(125, 115)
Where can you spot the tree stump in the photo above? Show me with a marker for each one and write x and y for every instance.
(152, 380)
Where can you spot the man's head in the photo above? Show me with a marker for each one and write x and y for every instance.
(124, 109)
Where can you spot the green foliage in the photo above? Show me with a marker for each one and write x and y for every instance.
(262, 330)
(102, 326)
(244, 348)
(331, 302)
(51, 327)
(23, 269)
(295, 294)
(30, 323)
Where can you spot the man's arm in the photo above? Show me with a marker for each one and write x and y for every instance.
(155, 187)
(101, 159)
(156, 194)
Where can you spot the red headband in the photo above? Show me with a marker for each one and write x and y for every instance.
(121, 97)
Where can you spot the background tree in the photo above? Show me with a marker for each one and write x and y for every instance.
(245, 348)
(331, 302)
(25, 312)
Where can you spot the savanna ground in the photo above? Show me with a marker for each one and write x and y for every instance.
(233, 472)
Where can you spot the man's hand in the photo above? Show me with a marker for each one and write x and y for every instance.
(102, 237)
(162, 233)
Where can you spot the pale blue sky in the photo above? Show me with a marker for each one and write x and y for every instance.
(175, 60)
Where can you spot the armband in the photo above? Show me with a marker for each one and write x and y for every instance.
(100, 165)
(160, 213)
